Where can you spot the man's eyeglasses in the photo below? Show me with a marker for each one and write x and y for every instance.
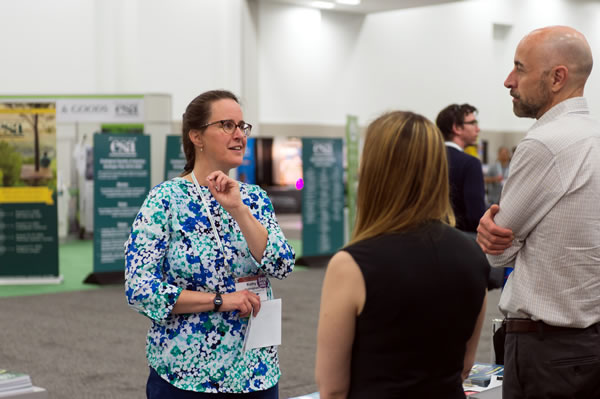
(229, 126)
(473, 122)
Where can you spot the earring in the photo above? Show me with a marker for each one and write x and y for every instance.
(201, 149)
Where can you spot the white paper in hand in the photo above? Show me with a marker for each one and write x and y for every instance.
(264, 329)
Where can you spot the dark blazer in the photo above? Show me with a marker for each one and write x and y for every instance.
(467, 192)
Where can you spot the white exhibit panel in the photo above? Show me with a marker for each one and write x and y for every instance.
(106, 110)
(158, 125)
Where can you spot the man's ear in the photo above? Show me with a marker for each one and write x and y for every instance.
(558, 77)
(457, 129)
(195, 137)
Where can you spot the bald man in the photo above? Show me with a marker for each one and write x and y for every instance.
(548, 224)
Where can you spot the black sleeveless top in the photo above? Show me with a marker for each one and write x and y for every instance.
(424, 291)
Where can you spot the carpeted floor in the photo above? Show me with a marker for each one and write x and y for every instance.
(90, 344)
(82, 341)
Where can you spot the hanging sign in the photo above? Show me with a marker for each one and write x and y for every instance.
(322, 196)
(174, 157)
(352, 140)
(121, 183)
(28, 211)
(246, 172)
(105, 110)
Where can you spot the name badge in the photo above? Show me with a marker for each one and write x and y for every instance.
(255, 284)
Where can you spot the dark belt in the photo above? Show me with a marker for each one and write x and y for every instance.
(530, 326)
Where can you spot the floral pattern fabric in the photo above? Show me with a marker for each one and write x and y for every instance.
(172, 247)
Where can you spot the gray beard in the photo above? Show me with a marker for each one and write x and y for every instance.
(524, 110)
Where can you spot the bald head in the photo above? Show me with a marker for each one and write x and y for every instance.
(562, 45)
(551, 65)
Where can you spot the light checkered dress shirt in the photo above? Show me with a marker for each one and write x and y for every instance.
(551, 201)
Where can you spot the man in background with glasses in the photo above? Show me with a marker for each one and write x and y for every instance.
(459, 127)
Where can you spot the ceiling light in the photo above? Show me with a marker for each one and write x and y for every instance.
(348, 2)
(322, 4)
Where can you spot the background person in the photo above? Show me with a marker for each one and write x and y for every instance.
(189, 244)
(547, 223)
(459, 126)
(378, 336)
(497, 175)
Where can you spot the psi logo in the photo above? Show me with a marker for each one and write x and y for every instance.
(123, 147)
(126, 109)
(325, 147)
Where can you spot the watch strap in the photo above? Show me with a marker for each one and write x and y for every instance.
(218, 301)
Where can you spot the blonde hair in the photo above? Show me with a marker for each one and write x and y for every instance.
(403, 178)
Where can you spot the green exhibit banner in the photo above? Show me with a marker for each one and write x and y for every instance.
(352, 140)
(121, 183)
(322, 196)
(122, 128)
(174, 157)
(28, 211)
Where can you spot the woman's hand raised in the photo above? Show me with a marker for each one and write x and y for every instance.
(225, 190)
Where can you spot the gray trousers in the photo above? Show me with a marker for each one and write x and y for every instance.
(563, 364)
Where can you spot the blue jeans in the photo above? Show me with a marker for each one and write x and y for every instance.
(157, 388)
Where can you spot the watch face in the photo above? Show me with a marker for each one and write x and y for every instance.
(218, 300)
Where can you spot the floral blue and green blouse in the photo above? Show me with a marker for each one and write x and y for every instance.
(171, 248)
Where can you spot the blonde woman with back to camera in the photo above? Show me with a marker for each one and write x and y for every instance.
(403, 303)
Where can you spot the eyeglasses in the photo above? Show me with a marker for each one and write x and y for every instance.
(473, 122)
(229, 126)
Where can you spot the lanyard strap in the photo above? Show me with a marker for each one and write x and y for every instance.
(212, 223)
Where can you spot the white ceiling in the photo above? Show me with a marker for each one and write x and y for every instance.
(369, 6)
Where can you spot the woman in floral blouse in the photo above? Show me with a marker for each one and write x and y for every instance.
(193, 239)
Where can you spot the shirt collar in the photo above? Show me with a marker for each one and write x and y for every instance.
(575, 105)
(454, 145)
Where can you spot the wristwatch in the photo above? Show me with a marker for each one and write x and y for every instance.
(218, 301)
